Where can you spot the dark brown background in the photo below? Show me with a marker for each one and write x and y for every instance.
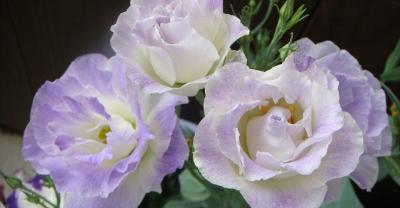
(39, 38)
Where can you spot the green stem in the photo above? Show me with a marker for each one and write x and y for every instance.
(26, 190)
(58, 198)
(269, 48)
(264, 20)
(391, 95)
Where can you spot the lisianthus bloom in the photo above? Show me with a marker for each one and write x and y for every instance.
(17, 199)
(360, 95)
(103, 141)
(279, 137)
(174, 45)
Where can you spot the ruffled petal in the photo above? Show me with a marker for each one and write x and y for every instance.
(213, 165)
(366, 174)
(280, 194)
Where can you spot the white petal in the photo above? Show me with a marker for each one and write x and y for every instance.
(162, 65)
(193, 57)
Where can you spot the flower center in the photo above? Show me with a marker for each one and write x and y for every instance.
(102, 137)
(295, 109)
(272, 129)
(269, 133)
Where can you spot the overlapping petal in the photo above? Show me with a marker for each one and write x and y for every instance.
(275, 107)
(93, 130)
(175, 45)
(360, 95)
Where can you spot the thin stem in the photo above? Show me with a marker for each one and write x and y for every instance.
(258, 7)
(391, 95)
(58, 198)
(39, 202)
(27, 190)
(264, 20)
(270, 45)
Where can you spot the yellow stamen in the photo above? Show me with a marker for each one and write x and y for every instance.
(263, 109)
(394, 111)
(103, 134)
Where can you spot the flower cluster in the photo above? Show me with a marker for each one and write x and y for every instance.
(107, 133)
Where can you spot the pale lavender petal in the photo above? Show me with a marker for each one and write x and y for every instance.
(90, 131)
(343, 153)
(334, 192)
(279, 194)
(366, 174)
(128, 194)
(235, 84)
(213, 165)
(360, 95)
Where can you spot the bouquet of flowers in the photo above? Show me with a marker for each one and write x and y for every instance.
(285, 124)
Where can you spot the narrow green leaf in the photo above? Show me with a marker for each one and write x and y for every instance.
(191, 188)
(200, 97)
(391, 95)
(395, 125)
(182, 203)
(383, 170)
(12, 182)
(392, 68)
(393, 164)
(347, 199)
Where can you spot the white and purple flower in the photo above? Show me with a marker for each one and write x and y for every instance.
(279, 137)
(174, 45)
(103, 141)
(360, 95)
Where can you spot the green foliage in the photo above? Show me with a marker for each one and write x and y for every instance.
(392, 67)
(383, 170)
(12, 182)
(181, 203)
(348, 197)
(262, 47)
(392, 163)
(200, 97)
(191, 188)
(33, 197)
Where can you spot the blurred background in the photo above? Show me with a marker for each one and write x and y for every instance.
(39, 38)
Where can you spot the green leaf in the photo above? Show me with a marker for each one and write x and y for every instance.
(234, 199)
(391, 95)
(392, 68)
(393, 165)
(191, 188)
(287, 49)
(200, 97)
(286, 10)
(181, 203)
(12, 182)
(347, 199)
(395, 125)
(32, 199)
(383, 170)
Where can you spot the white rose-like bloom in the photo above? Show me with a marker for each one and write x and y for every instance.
(173, 45)
(279, 137)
